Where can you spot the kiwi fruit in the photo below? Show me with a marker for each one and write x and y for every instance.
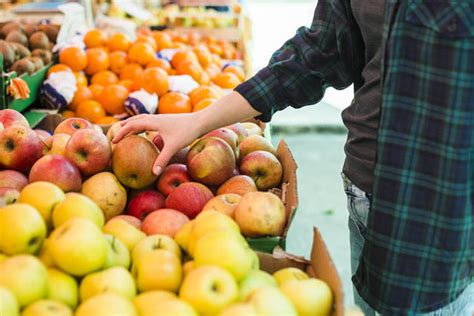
(30, 29)
(11, 26)
(17, 37)
(8, 54)
(44, 54)
(23, 66)
(50, 30)
(37, 62)
(39, 40)
(22, 51)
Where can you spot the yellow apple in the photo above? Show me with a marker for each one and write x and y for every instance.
(43, 196)
(209, 289)
(271, 301)
(3, 257)
(8, 303)
(107, 192)
(45, 254)
(158, 270)
(255, 279)
(78, 247)
(188, 267)
(146, 302)
(125, 232)
(183, 235)
(47, 308)
(62, 288)
(255, 260)
(170, 307)
(26, 277)
(289, 274)
(113, 280)
(58, 146)
(155, 242)
(310, 297)
(223, 203)
(77, 205)
(107, 304)
(239, 309)
(117, 254)
(22, 228)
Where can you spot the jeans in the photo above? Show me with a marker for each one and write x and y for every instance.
(358, 204)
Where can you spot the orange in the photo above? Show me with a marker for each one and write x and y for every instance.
(226, 80)
(194, 70)
(104, 78)
(97, 60)
(141, 38)
(95, 38)
(82, 94)
(113, 97)
(193, 38)
(203, 104)
(118, 60)
(203, 92)
(96, 90)
(131, 72)
(162, 40)
(238, 71)
(154, 80)
(216, 59)
(204, 55)
(81, 79)
(174, 102)
(212, 70)
(127, 84)
(182, 56)
(141, 53)
(118, 42)
(161, 63)
(107, 120)
(90, 110)
(216, 49)
(73, 57)
(178, 45)
(58, 68)
(68, 114)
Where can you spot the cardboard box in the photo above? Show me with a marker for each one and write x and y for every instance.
(319, 266)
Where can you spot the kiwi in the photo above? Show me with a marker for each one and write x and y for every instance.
(44, 54)
(50, 30)
(23, 66)
(37, 62)
(11, 26)
(17, 37)
(30, 29)
(8, 54)
(39, 40)
(21, 50)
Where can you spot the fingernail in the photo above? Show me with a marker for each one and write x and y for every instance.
(157, 170)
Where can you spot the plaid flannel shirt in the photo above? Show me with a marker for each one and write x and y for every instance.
(419, 252)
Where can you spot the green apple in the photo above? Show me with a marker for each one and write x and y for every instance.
(310, 297)
(43, 196)
(255, 260)
(155, 242)
(116, 280)
(125, 232)
(255, 279)
(47, 308)
(183, 235)
(45, 254)
(226, 249)
(158, 270)
(78, 247)
(146, 302)
(62, 288)
(8, 303)
(117, 254)
(271, 301)
(77, 205)
(22, 228)
(239, 309)
(107, 304)
(26, 277)
(209, 289)
(289, 274)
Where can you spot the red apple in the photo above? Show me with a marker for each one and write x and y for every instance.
(56, 144)
(12, 179)
(156, 139)
(264, 168)
(227, 135)
(238, 185)
(11, 117)
(189, 198)
(240, 130)
(180, 156)
(58, 170)
(8, 196)
(172, 177)
(211, 161)
(89, 150)
(254, 143)
(144, 203)
(132, 220)
(165, 221)
(72, 125)
(20, 147)
(224, 203)
(44, 135)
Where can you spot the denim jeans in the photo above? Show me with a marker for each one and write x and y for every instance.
(358, 204)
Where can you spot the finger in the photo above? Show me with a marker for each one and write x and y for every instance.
(163, 158)
(133, 118)
(127, 129)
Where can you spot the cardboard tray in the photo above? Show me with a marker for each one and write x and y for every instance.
(320, 266)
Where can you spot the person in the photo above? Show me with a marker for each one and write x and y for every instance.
(408, 173)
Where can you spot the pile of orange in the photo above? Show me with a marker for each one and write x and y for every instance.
(113, 66)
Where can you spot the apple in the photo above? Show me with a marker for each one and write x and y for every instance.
(112, 131)
(132, 220)
(144, 203)
(20, 148)
(180, 156)
(240, 130)
(112, 280)
(89, 150)
(23, 229)
(156, 139)
(58, 170)
(211, 161)
(172, 177)
(132, 161)
(164, 221)
(239, 309)
(76, 205)
(255, 279)
(71, 125)
(227, 135)
(44, 135)
(57, 144)
(47, 308)
(8, 196)
(155, 242)
(261, 214)
(158, 270)
(310, 297)
(26, 277)
(239, 184)
(107, 192)
(78, 247)
(255, 143)
(8, 304)
(62, 288)
(264, 168)
(44, 255)
(189, 198)
(117, 254)
(12, 179)
(271, 301)
(107, 304)
(183, 235)
(289, 274)
(188, 267)
(43, 196)
(209, 289)
(166, 307)
(9, 117)
(224, 203)
(252, 129)
(146, 302)
(125, 232)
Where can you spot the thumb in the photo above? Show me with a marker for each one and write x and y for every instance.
(163, 158)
